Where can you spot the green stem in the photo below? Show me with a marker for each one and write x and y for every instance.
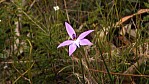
(82, 70)
(106, 68)
(72, 64)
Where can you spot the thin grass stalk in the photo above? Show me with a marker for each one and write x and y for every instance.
(106, 68)
(82, 69)
(22, 75)
(72, 64)
(30, 59)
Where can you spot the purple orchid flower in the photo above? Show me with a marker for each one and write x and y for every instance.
(75, 42)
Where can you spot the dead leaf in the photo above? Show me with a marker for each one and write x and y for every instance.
(122, 20)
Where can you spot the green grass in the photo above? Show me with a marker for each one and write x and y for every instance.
(35, 58)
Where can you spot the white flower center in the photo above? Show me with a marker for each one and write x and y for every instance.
(77, 42)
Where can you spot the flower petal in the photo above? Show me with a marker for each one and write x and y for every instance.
(84, 34)
(72, 48)
(65, 43)
(85, 42)
(70, 30)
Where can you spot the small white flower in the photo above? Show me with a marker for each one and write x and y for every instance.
(0, 20)
(5, 66)
(56, 8)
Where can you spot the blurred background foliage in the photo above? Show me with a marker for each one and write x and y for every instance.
(31, 30)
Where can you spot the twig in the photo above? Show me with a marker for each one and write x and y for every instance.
(11, 62)
(121, 74)
(22, 75)
(33, 21)
(32, 4)
(143, 57)
(71, 10)
(66, 11)
(133, 67)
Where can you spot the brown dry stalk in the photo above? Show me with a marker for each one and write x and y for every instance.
(121, 74)
(133, 67)
(22, 74)
(66, 11)
(11, 62)
(129, 71)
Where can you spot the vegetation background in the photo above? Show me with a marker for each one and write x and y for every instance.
(31, 30)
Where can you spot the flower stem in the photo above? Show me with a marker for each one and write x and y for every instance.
(82, 70)
(106, 68)
(72, 64)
